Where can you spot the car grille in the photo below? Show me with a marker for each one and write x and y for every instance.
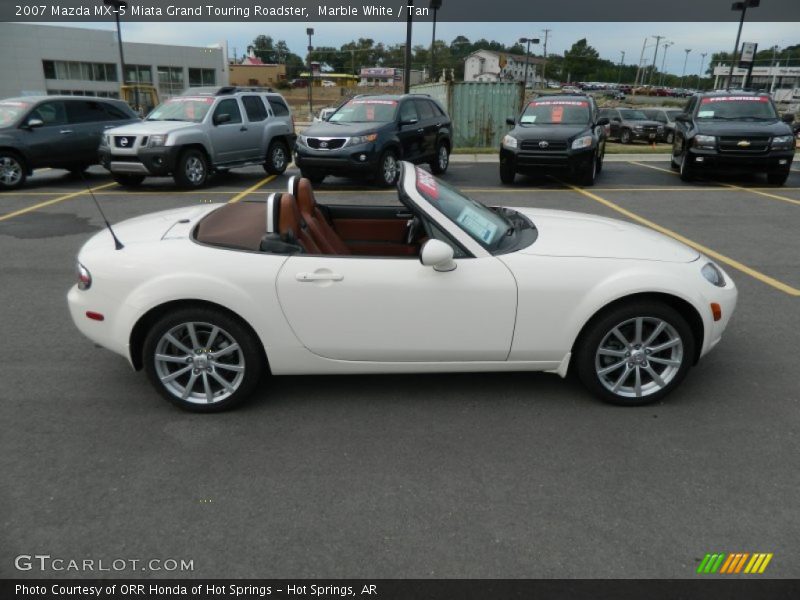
(743, 144)
(543, 146)
(648, 128)
(124, 141)
(326, 143)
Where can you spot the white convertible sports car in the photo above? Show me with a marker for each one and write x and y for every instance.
(208, 299)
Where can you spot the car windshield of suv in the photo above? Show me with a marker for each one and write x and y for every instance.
(11, 110)
(737, 107)
(366, 110)
(549, 112)
(481, 223)
(633, 115)
(182, 108)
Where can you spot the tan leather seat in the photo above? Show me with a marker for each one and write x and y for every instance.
(321, 231)
(291, 225)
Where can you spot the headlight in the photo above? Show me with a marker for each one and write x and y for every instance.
(638, 127)
(302, 140)
(582, 142)
(363, 139)
(157, 140)
(105, 140)
(705, 141)
(713, 274)
(783, 142)
(510, 141)
(84, 277)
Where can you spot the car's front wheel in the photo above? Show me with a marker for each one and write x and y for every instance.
(387, 172)
(192, 169)
(625, 136)
(588, 173)
(12, 171)
(670, 137)
(277, 158)
(778, 177)
(442, 159)
(635, 354)
(202, 360)
(507, 173)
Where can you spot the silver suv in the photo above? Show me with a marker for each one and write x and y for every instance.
(200, 131)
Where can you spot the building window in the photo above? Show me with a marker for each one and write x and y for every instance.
(170, 80)
(198, 77)
(138, 74)
(79, 71)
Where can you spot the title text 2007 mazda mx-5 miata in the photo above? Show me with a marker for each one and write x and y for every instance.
(208, 299)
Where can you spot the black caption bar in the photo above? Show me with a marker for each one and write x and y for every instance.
(396, 10)
(391, 589)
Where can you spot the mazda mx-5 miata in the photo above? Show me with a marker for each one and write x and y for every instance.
(208, 299)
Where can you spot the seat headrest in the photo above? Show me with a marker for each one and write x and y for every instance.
(305, 197)
(273, 210)
(291, 186)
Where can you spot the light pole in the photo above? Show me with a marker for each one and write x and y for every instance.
(435, 6)
(702, 62)
(309, 33)
(117, 5)
(655, 56)
(407, 61)
(663, 61)
(742, 6)
(621, 62)
(685, 60)
(544, 64)
(528, 41)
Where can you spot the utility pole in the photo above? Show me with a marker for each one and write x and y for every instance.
(639, 66)
(435, 6)
(621, 62)
(685, 60)
(407, 62)
(774, 69)
(310, 32)
(527, 59)
(544, 64)
(702, 62)
(663, 62)
(655, 56)
(742, 6)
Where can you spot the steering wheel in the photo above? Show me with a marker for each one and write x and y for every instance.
(412, 230)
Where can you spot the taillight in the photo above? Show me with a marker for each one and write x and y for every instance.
(84, 277)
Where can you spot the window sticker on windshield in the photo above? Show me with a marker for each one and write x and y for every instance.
(557, 114)
(705, 114)
(388, 102)
(734, 99)
(14, 103)
(559, 103)
(477, 224)
(426, 185)
(528, 119)
(203, 99)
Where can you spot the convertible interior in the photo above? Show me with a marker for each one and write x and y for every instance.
(293, 222)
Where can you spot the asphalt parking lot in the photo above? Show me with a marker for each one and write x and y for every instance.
(469, 475)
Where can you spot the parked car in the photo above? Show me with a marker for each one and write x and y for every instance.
(555, 133)
(629, 125)
(740, 132)
(61, 132)
(203, 130)
(665, 116)
(207, 299)
(328, 83)
(571, 89)
(368, 135)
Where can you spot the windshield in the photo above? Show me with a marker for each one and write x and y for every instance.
(737, 107)
(365, 111)
(183, 108)
(11, 110)
(633, 115)
(548, 112)
(482, 224)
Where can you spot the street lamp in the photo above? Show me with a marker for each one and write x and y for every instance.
(702, 62)
(663, 61)
(742, 6)
(407, 61)
(685, 60)
(309, 33)
(117, 5)
(655, 56)
(435, 6)
(528, 41)
(621, 62)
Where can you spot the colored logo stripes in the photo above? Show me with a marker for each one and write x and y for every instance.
(734, 563)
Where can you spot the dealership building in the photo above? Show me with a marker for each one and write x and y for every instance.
(783, 81)
(44, 59)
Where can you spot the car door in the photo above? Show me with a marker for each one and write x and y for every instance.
(254, 144)
(228, 136)
(397, 310)
(49, 145)
(411, 133)
(87, 120)
(430, 126)
(616, 123)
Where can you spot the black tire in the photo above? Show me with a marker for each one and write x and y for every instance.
(249, 355)
(600, 160)
(672, 164)
(778, 177)
(278, 157)
(386, 171)
(191, 170)
(588, 173)
(670, 137)
(131, 181)
(625, 136)
(622, 317)
(315, 177)
(686, 169)
(507, 173)
(441, 159)
(13, 170)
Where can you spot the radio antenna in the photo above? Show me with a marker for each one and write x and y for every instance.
(117, 244)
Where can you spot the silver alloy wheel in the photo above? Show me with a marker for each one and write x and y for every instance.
(389, 168)
(639, 357)
(278, 157)
(10, 171)
(199, 363)
(195, 169)
(444, 157)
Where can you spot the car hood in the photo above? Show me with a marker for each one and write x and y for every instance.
(151, 127)
(548, 132)
(563, 233)
(743, 128)
(326, 129)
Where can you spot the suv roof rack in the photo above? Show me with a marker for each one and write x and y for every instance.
(224, 90)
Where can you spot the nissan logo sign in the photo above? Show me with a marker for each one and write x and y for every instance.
(123, 142)
(544, 144)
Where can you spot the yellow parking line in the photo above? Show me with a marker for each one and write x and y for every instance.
(22, 211)
(252, 189)
(779, 285)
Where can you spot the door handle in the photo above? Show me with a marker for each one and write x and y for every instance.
(306, 277)
(243, 129)
(421, 130)
(65, 131)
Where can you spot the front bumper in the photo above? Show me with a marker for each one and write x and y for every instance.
(778, 160)
(157, 161)
(524, 161)
(355, 159)
(648, 136)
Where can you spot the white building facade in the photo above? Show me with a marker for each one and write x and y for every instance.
(44, 59)
(488, 65)
(782, 82)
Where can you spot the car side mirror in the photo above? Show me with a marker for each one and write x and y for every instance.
(788, 118)
(435, 253)
(409, 122)
(511, 121)
(34, 123)
(603, 121)
(223, 118)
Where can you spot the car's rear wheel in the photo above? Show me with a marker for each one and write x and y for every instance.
(387, 172)
(778, 177)
(128, 180)
(13, 172)
(202, 360)
(625, 136)
(507, 173)
(635, 354)
(314, 177)
(192, 169)
(277, 157)
(670, 137)
(686, 168)
(442, 159)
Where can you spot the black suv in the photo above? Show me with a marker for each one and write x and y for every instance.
(368, 135)
(62, 132)
(629, 124)
(555, 133)
(665, 116)
(736, 131)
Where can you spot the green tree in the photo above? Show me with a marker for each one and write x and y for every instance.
(580, 60)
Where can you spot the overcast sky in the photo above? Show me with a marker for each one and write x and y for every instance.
(608, 38)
